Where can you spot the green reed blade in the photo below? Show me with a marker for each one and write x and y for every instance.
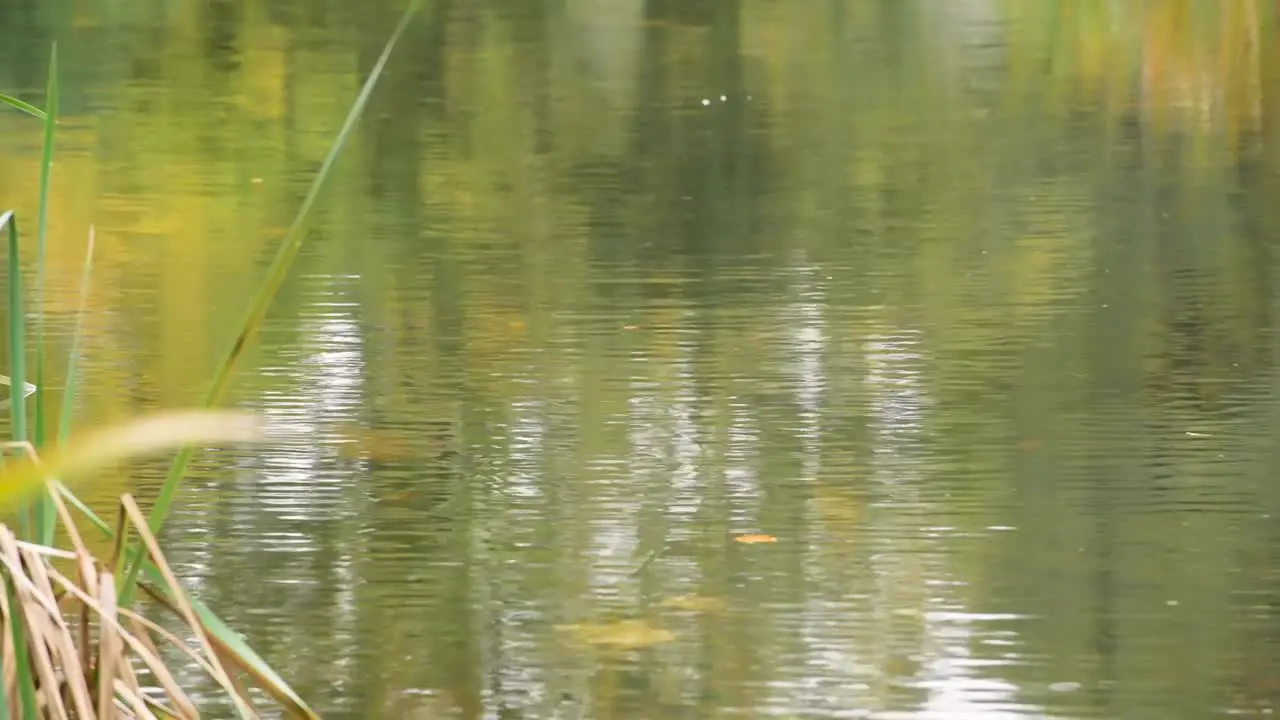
(46, 513)
(17, 341)
(73, 355)
(276, 275)
(24, 107)
(17, 347)
(23, 669)
(88, 512)
(242, 654)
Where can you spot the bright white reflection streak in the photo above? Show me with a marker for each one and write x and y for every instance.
(283, 482)
(663, 433)
(513, 668)
(686, 495)
(831, 677)
(326, 392)
(898, 407)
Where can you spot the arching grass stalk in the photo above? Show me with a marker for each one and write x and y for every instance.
(276, 275)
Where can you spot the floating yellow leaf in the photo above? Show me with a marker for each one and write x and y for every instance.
(625, 634)
(753, 539)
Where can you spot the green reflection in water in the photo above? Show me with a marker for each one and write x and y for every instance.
(969, 305)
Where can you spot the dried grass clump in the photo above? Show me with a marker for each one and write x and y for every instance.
(68, 650)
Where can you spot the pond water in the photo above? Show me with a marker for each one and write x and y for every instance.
(722, 358)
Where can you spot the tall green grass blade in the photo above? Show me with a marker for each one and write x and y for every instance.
(23, 668)
(46, 513)
(73, 355)
(24, 107)
(17, 346)
(276, 275)
(17, 335)
(88, 512)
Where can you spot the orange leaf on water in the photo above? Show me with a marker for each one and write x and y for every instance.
(753, 539)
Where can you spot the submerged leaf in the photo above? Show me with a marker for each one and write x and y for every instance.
(836, 509)
(625, 634)
(694, 603)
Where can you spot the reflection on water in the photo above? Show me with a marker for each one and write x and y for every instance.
(703, 359)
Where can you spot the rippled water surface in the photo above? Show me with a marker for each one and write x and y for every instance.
(699, 359)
